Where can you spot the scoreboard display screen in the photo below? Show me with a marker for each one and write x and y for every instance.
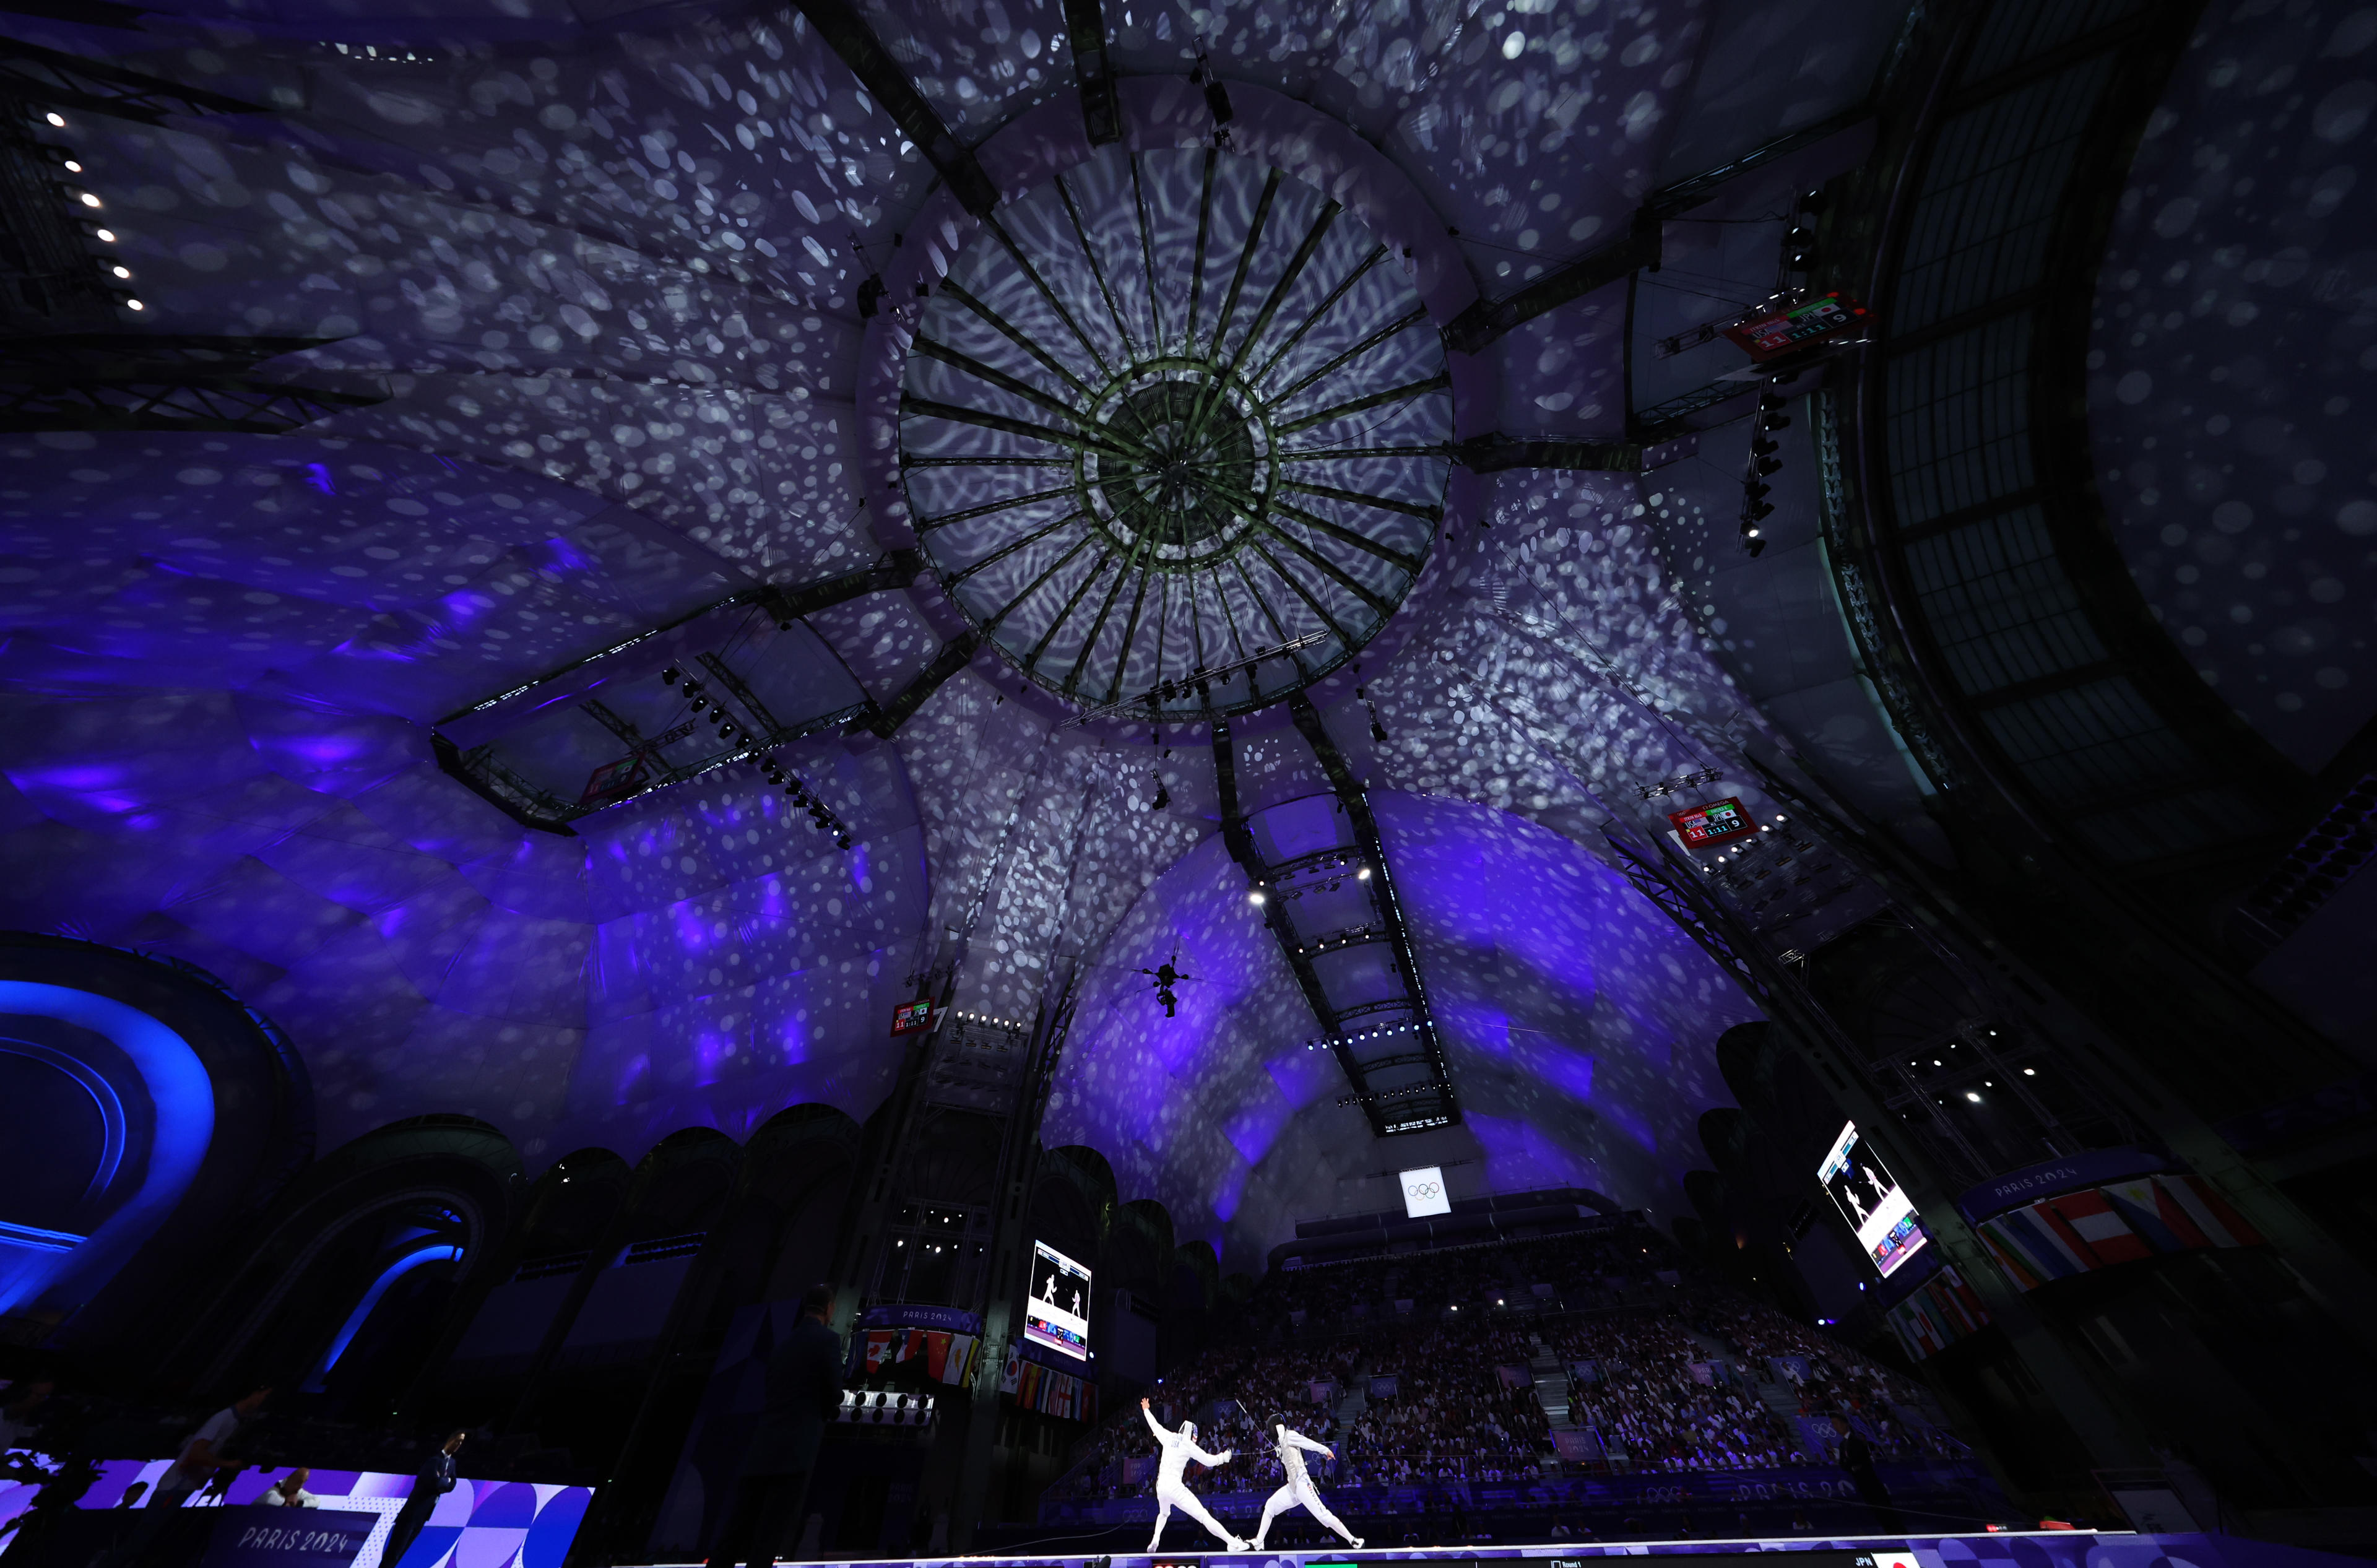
(1058, 1314)
(1870, 1200)
(1713, 824)
(911, 1016)
(1795, 327)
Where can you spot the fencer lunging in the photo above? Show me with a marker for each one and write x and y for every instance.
(1299, 1490)
(1171, 1490)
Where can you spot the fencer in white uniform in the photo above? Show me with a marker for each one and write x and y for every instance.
(1171, 1490)
(1299, 1490)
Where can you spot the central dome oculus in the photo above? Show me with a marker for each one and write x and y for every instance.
(1175, 432)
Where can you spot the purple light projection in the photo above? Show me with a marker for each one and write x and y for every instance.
(279, 821)
(1580, 1026)
(607, 290)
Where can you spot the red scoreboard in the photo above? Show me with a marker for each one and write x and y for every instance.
(1713, 823)
(1778, 333)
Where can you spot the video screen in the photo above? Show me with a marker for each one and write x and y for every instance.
(1423, 1193)
(1058, 1316)
(1869, 1199)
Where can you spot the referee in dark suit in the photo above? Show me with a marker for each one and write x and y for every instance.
(804, 1392)
(435, 1480)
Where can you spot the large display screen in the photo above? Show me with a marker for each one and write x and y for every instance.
(1423, 1193)
(1058, 1316)
(1869, 1199)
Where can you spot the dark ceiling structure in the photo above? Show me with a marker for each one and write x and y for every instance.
(620, 544)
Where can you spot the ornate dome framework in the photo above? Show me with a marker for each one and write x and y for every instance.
(1176, 430)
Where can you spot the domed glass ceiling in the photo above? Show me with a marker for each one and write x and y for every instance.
(1175, 432)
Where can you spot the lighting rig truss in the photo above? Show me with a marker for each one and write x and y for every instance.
(1693, 780)
(732, 728)
(1388, 1047)
(1763, 462)
(1195, 680)
(704, 690)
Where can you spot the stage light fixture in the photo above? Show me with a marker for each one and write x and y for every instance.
(106, 237)
(89, 199)
(699, 703)
(1256, 896)
(134, 304)
(72, 167)
(1763, 448)
(56, 120)
(1765, 466)
(120, 271)
(669, 675)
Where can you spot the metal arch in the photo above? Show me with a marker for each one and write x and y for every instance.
(69, 81)
(103, 1098)
(1870, 560)
(847, 34)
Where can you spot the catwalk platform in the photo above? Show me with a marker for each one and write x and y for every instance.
(2024, 1549)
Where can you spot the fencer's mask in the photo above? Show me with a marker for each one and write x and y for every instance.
(1188, 1431)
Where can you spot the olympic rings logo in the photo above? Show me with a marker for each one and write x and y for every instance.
(1423, 1190)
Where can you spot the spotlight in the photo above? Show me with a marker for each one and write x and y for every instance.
(1757, 510)
(669, 675)
(1256, 896)
(120, 271)
(134, 304)
(1764, 466)
(699, 702)
(89, 199)
(106, 237)
(58, 120)
(1764, 447)
(72, 167)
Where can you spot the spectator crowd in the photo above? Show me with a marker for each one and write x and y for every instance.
(1425, 1368)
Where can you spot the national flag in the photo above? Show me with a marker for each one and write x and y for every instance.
(2140, 1206)
(1011, 1373)
(2098, 1228)
(2222, 1226)
(2029, 1256)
